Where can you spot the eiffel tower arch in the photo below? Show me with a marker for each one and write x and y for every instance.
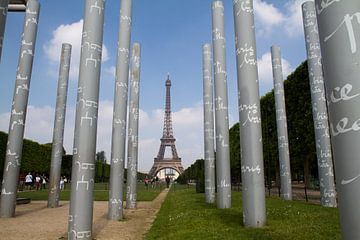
(167, 141)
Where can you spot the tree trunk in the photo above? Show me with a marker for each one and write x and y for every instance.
(307, 175)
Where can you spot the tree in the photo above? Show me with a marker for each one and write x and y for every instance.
(100, 156)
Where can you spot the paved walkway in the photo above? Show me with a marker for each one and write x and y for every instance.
(35, 221)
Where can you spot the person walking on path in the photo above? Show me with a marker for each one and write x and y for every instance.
(167, 179)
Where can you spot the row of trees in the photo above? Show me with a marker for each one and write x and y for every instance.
(36, 158)
(300, 131)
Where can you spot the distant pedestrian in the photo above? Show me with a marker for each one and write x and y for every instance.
(37, 182)
(62, 183)
(65, 181)
(43, 182)
(21, 182)
(28, 181)
(167, 179)
(153, 183)
(146, 181)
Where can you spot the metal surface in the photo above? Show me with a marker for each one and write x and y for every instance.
(281, 123)
(59, 124)
(3, 16)
(167, 140)
(252, 166)
(208, 125)
(18, 111)
(17, 5)
(118, 148)
(339, 31)
(133, 136)
(83, 167)
(223, 178)
(319, 109)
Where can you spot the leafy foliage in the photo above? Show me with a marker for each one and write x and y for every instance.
(35, 157)
(300, 126)
(193, 173)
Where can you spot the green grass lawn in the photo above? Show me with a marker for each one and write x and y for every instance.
(185, 215)
(101, 193)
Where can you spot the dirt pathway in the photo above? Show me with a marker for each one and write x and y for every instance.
(35, 221)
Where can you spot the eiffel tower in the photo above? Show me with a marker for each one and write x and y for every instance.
(167, 140)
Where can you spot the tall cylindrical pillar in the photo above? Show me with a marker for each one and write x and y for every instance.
(208, 125)
(339, 23)
(281, 123)
(132, 164)
(221, 108)
(18, 111)
(59, 124)
(252, 165)
(118, 148)
(83, 169)
(319, 109)
(3, 14)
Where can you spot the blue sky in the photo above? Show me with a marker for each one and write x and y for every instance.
(171, 34)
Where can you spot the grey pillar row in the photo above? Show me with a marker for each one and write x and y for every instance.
(3, 15)
(252, 165)
(339, 31)
(281, 123)
(221, 107)
(208, 125)
(18, 111)
(132, 164)
(59, 124)
(83, 167)
(319, 109)
(118, 148)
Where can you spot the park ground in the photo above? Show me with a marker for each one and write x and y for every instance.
(36, 221)
(179, 213)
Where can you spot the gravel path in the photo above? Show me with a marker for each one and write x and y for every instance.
(35, 221)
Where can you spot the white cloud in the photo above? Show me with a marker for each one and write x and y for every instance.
(39, 125)
(111, 70)
(265, 71)
(187, 125)
(67, 33)
(267, 16)
(294, 22)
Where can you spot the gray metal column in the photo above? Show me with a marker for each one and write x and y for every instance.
(132, 163)
(58, 135)
(115, 211)
(252, 165)
(283, 143)
(208, 125)
(3, 14)
(83, 170)
(319, 109)
(221, 108)
(18, 111)
(339, 30)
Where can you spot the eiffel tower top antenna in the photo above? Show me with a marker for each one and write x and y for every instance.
(168, 131)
